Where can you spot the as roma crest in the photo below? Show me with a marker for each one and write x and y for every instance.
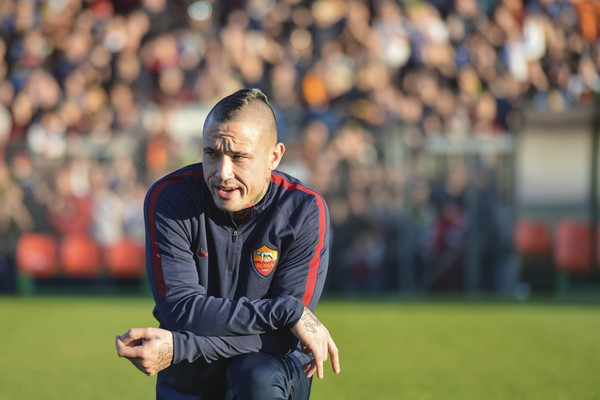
(264, 260)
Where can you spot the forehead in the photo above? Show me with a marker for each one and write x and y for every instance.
(235, 131)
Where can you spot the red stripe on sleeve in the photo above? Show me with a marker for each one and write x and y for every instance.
(315, 261)
(159, 279)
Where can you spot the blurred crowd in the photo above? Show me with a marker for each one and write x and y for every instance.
(99, 98)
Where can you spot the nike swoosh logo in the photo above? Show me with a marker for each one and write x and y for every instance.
(202, 253)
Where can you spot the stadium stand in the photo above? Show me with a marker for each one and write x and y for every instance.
(99, 98)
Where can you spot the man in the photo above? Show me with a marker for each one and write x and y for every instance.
(237, 255)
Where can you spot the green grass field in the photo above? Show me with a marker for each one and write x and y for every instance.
(63, 348)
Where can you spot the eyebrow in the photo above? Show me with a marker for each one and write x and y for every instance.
(236, 153)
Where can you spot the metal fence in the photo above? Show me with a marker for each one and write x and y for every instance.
(436, 217)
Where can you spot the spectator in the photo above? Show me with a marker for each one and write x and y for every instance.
(14, 216)
(70, 211)
(99, 81)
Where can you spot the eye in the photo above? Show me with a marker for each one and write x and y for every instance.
(210, 153)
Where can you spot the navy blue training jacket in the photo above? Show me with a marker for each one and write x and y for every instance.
(225, 289)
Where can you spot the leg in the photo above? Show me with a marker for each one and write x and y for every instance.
(195, 381)
(259, 376)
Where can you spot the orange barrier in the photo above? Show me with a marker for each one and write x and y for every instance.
(532, 237)
(80, 256)
(37, 255)
(573, 246)
(125, 259)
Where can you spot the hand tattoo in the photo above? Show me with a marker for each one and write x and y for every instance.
(165, 356)
(309, 321)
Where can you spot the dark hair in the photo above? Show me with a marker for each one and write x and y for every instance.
(228, 107)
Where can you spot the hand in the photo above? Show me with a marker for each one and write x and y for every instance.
(149, 349)
(315, 339)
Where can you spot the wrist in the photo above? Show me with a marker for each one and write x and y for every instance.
(177, 340)
(296, 314)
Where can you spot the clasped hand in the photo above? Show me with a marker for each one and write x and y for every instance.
(149, 349)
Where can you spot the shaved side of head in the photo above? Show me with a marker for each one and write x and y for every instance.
(248, 103)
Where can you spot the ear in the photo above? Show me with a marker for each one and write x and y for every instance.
(276, 155)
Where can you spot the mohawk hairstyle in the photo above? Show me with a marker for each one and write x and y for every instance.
(226, 109)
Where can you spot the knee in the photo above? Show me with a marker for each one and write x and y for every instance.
(254, 376)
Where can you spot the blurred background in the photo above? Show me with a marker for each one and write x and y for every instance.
(455, 141)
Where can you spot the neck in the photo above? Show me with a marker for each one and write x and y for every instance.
(243, 215)
(239, 217)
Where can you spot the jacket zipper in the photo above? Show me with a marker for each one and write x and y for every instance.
(235, 235)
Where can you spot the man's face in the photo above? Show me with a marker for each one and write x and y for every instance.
(238, 160)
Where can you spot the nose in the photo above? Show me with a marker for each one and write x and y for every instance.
(225, 170)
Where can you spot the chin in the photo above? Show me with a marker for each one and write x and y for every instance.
(226, 206)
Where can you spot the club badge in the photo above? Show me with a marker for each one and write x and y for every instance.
(264, 260)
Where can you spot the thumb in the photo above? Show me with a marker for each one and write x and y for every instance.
(120, 346)
(134, 334)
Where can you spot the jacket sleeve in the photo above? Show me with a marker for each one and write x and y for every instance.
(302, 271)
(181, 302)
(189, 347)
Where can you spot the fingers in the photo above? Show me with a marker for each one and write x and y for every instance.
(125, 350)
(118, 344)
(125, 337)
(130, 343)
(134, 353)
(135, 334)
(137, 342)
(320, 373)
(335, 356)
(309, 368)
(320, 360)
(316, 364)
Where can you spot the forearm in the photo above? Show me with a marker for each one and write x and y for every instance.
(210, 316)
(190, 347)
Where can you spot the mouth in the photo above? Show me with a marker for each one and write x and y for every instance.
(226, 191)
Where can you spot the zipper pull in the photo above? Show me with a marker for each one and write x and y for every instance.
(235, 234)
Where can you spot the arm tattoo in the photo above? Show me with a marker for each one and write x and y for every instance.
(309, 321)
(165, 355)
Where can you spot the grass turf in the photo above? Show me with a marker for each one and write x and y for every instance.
(63, 348)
